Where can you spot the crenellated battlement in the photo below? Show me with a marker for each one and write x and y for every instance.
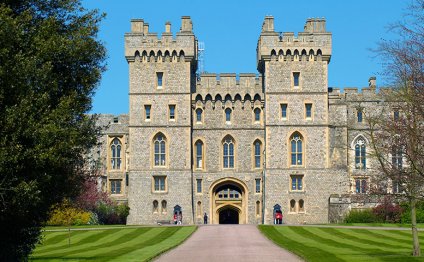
(358, 94)
(150, 47)
(229, 86)
(313, 44)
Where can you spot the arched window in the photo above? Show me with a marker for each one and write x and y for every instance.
(199, 154)
(257, 112)
(228, 148)
(257, 145)
(160, 150)
(296, 150)
(163, 207)
(292, 205)
(301, 205)
(199, 209)
(258, 208)
(360, 151)
(155, 206)
(115, 159)
(228, 115)
(199, 115)
(359, 115)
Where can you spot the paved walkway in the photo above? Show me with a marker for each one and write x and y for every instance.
(228, 243)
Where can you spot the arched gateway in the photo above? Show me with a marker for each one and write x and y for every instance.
(228, 201)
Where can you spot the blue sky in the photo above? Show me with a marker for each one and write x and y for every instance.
(230, 30)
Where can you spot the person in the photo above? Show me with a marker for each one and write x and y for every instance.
(205, 219)
(175, 218)
(278, 217)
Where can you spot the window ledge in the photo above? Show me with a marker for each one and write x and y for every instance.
(160, 192)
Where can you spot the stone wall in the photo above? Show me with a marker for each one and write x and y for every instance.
(328, 170)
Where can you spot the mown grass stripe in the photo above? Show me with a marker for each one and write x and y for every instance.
(158, 239)
(300, 248)
(121, 236)
(383, 236)
(376, 240)
(53, 238)
(91, 237)
(351, 249)
(380, 250)
(64, 242)
(147, 253)
(140, 236)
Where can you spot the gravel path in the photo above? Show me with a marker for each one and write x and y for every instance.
(228, 243)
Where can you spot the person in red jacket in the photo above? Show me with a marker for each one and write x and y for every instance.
(279, 217)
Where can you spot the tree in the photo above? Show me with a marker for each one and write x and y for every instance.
(50, 65)
(397, 131)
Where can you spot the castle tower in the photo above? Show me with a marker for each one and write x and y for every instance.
(295, 71)
(162, 76)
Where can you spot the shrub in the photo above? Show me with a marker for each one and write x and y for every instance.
(406, 215)
(388, 212)
(123, 210)
(65, 214)
(112, 213)
(361, 216)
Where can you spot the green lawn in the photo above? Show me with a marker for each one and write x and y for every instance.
(380, 225)
(111, 244)
(342, 244)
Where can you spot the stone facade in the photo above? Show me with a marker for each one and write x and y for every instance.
(237, 146)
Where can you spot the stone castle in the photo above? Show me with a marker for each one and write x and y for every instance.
(237, 147)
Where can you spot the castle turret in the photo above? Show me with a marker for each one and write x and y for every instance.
(295, 73)
(162, 75)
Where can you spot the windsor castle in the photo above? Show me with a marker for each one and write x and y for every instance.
(237, 147)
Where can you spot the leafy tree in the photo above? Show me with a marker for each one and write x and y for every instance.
(397, 131)
(50, 65)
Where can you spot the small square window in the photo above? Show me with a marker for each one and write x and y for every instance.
(159, 76)
(284, 111)
(171, 112)
(115, 186)
(199, 185)
(147, 112)
(296, 183)
(308, 110)
(296, 79)
(159, 183)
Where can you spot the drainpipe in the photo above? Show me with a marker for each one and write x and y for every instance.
(191, 160)
(264, 154)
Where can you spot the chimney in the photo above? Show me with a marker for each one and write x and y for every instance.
(168, 27)
(372, 82)
(137, 25)
(186, 24)
(146, 28)
(268, 25)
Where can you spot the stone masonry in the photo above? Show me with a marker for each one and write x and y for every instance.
(237, 147)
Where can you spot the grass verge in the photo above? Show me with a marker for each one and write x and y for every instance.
(342, 244)
(110, 244)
